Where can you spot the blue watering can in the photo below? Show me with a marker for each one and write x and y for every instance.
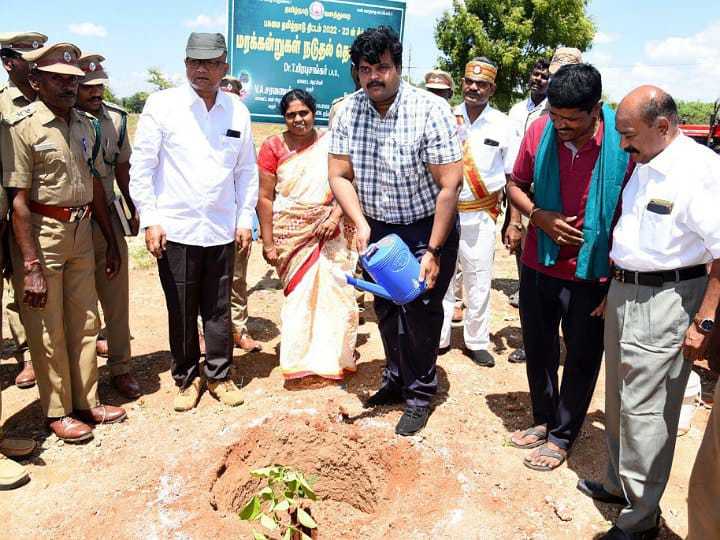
(394, 268)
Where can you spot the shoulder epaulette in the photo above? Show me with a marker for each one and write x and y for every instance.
(337, 100)
(15, 116)
(4, 86)
(114, 107)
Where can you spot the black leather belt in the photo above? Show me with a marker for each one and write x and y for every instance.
(656, 279)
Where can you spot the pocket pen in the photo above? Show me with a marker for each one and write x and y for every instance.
(84, 143)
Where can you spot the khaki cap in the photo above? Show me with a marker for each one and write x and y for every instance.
(93, 69)
(439, 80)
(564, 56)
(21, 42)
(59, 58)
(231, 84)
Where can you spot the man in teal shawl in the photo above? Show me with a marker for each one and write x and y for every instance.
(574, 159)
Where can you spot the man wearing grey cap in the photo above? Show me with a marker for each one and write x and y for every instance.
(16, 94)
(194, 181)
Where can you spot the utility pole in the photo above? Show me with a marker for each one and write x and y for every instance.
(410, 66)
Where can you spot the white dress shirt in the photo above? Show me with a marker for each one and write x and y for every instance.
(519, 114)
(686, 175)
(493, 161)
(188, 173)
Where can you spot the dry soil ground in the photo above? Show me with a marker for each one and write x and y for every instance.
(163, 474)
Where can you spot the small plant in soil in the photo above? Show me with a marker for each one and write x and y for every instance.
(279, 503)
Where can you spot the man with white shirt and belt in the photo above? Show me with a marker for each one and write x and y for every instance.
(489, 148)
(660, 306)
(194, 181)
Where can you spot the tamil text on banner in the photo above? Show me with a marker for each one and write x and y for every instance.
(277, 45)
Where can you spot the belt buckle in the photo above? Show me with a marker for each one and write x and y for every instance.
(77, 213)
(620, 274)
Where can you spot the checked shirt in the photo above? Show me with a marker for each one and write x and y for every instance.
(390, 155)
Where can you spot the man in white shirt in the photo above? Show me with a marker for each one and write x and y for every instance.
(194, 182)
(660, 306)
(520, 112)
(489, 148)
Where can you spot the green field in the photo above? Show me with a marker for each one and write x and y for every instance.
(260, 130)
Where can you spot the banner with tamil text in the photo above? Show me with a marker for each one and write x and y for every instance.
(277, 45)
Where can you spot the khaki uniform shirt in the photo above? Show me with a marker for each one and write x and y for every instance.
(11, 100)
(111, 117)
(42, 153)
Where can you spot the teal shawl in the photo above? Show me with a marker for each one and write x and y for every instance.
(605, 187)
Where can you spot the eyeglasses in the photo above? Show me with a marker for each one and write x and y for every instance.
(194, 63)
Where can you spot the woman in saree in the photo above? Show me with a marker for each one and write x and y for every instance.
(306, 239)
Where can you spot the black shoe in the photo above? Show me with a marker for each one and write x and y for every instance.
(443, 350)
(517, 356)
(616, 533)
(595, 490)
(413, 420)
(482, 358)
(384, 396)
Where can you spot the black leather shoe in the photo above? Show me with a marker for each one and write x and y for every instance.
(413, 420)
(616, 533)
(482, 358)
(595, 490)
(384, 396)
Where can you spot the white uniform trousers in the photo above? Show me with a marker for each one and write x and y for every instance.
(475, 258)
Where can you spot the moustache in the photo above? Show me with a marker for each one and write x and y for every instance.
(631, 150)
(375, 83)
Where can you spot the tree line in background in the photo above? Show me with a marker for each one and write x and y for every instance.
(513, 33)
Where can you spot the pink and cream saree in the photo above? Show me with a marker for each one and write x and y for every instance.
(319, 317)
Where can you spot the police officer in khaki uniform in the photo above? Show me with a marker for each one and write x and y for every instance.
(17, 94)
(47, 153)
(113, 163)
(238, 293)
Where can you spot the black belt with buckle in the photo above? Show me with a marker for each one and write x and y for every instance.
(656, 279)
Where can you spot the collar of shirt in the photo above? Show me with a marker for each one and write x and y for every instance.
(15, 92)
(392, 111)
(531, 104)
(194, 99)
(45, 115)
(482, 117)
(664, 160)
(595, 140)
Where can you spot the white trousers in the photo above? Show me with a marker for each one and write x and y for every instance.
(475, 258)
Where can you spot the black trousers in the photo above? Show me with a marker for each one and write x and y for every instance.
(545, 304)
(196, 278)
(411, 333)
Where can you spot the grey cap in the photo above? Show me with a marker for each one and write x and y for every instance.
(203, 46)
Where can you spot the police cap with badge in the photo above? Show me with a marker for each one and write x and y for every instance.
(21, 42)
(93, 70)
(63, 58)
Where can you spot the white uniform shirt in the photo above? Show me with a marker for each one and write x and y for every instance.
(519, 114)
(193, 171)
(493, 161)
(687, 175)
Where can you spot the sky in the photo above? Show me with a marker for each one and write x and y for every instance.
(674, 45)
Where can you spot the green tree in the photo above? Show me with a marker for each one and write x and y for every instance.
(136, 102)
(694, 112)
(512, 33)
(158, 78)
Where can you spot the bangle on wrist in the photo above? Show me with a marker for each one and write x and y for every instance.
(27, 265)
(268, 250)
(333, 221)
(532, 212)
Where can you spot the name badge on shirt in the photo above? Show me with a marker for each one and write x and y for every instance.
(491, 142)
(660, 206)
(462, 132)
(45, 146)
(232, 133)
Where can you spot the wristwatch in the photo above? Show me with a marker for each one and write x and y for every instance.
(518, 225)
(704, 325)
(436, 251)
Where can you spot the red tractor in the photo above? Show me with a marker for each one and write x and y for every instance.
(709, 135)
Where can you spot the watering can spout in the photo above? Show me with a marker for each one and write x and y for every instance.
(345, 279)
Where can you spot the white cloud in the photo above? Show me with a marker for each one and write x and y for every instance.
(597, 58)
(88, 29)
(206, 21)
(702, 46)
(427, 8)
(601, 38)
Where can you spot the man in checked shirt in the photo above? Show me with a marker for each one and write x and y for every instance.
(395, 166)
